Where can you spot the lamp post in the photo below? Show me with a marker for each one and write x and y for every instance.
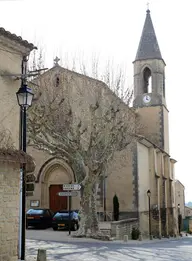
(24, 98)
(104, 198)
(179, 218)
(149, 203)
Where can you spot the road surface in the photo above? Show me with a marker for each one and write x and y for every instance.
(91, 250)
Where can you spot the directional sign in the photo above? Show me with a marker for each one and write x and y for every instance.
(68, 194)
(71, 186)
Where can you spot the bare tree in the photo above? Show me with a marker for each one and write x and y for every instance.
(114, 76)
(86, 141)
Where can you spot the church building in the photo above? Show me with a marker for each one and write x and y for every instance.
(146, 171)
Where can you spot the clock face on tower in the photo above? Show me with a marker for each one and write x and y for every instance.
(146, 98)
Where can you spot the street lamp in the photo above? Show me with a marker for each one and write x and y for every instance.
(179, 218)
(104, 198)
(24, 98)
(149, 202)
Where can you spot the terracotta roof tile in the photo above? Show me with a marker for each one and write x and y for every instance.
(16, 38)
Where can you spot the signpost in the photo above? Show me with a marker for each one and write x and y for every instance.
(71, 186)
(70, 190)
(68, 194)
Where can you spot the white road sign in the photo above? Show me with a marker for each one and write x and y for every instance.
(71, 186)
(68, 194)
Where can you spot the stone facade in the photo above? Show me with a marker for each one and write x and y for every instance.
(9, 204)
(188, 211)
(180, 198)
(133, 171)
(155, 172)
(83, 91)
(9, 209)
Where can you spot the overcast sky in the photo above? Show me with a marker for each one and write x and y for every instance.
(111, 29)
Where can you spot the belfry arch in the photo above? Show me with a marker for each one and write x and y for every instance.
(147, 80)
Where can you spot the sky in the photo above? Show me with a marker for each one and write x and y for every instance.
(111, 29)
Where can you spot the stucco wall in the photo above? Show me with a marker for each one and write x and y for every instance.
(11, 55)
(143, 186)
(9, 116)
(166, 129)
(150, 118)
(143, 173)
(120, 181)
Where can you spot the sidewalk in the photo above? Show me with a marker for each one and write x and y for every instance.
(148, 241)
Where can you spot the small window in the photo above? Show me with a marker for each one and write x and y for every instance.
(57, 81)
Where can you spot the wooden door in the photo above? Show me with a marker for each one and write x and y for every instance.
(56, 202)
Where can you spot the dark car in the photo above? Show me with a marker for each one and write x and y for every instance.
(41, 218)
(61, 220)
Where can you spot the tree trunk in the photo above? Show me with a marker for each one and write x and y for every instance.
(89, 224)
(85, 213)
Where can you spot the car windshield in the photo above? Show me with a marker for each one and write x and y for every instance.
(35, 211)
(65, 213)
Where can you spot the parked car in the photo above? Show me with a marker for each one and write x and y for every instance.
(61, 220)
(41, 218)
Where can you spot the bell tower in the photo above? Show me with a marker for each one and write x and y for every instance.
(149, 87)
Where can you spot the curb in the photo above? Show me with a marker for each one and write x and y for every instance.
(153, 241)
(112, 241)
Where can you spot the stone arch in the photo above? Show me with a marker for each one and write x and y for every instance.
(53, 173)
(50, 164)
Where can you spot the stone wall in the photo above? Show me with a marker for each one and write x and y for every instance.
(9, 201)
(9, 210)
(188, 211)
(123, 227)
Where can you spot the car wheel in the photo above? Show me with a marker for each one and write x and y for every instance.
(55, 228)
(75, 227)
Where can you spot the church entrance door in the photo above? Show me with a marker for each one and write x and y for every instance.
(56, 202)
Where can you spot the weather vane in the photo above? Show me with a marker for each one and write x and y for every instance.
(148, 6)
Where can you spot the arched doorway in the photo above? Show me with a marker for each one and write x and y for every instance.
(54, 174)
